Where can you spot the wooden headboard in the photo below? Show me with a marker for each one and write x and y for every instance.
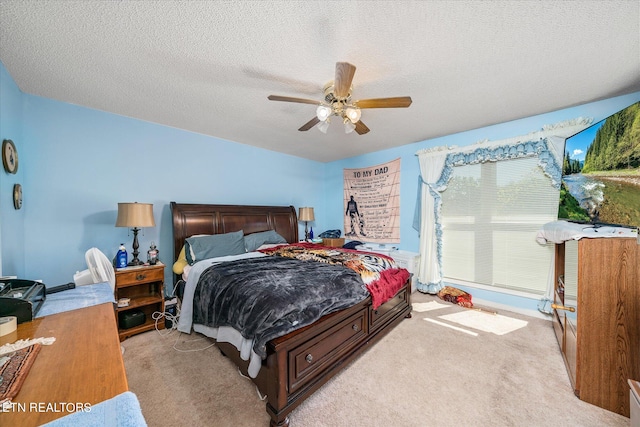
(191, 219)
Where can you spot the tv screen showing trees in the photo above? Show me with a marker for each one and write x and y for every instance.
(601, 171)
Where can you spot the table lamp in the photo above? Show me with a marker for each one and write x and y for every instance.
(135, 215)
(306, 215)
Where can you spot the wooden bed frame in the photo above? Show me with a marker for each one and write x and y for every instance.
(300, 362)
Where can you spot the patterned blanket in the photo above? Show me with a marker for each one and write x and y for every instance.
(379, 273)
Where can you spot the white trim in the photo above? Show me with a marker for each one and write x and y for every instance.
(498, 289)
(488, 303)
(526, 312)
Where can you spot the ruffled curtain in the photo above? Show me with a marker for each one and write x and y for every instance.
(436, 168)
(429, 272)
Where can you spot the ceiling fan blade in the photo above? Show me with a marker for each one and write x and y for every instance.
(398, 102)
(311, 123)
(290, 99)
(344, 77)
(361, 128)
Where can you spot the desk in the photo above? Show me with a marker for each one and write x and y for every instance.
(83, 366)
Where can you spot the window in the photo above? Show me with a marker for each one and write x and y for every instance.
(490, 215)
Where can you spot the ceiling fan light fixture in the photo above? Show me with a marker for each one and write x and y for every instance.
(353, 114)
(323, 112)
(337, 102)
(348, 126)
(323, 126)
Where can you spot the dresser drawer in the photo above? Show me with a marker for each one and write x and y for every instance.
(138, 276)
(309, 359)
(386, 311)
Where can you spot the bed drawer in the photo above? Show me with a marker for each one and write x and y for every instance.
(386, 311)
(311, 358)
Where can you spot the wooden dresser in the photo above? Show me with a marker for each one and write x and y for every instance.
(596, 317)
(82, 367)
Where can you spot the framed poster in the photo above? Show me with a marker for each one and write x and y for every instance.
(372, 203)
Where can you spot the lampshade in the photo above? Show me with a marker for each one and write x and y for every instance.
(306, 214)
(348, 126)
(323, 126)
(135, 215)
(323, 112)
(353, 114)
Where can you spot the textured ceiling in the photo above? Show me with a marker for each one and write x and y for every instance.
(208, 66)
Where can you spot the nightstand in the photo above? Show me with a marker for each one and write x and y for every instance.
(144, 287)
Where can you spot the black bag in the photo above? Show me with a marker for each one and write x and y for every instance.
(330, 234)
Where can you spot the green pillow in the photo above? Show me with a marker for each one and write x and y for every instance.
(217, 245)
(254, 240)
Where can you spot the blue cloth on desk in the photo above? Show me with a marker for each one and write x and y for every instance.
(79, 297)
(120, 411)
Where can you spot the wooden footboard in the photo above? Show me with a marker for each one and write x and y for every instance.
(300, 362)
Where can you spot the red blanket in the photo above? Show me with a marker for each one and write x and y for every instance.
(380, 274)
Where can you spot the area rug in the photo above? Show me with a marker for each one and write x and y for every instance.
(484, 321)
(14, 369)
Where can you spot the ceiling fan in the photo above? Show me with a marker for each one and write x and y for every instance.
(337, 102)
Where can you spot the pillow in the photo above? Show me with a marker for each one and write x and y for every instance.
(181, 262)
(254, 240)
(203, 247)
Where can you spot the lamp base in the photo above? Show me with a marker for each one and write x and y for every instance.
(135, 261)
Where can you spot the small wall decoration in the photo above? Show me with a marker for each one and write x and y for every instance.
(9, 156)
(17, 196)
(372, 203)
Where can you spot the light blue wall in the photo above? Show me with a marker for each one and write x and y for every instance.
(76, 164)
(11, 220)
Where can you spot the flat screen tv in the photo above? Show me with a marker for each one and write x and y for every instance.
(601, 172)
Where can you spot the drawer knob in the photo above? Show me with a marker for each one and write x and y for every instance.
(355, 327)
(140, 276)
(309, 358)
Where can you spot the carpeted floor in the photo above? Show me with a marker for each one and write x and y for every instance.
(421, 374)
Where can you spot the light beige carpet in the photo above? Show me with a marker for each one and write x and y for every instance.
(421, 374)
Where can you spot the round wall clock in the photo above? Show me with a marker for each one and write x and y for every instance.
(9, 156)
(17, 196)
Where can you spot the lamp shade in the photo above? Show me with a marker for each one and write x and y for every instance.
(353, 114)
(306, 214)
(135, 215)
(323, 126)
(323, 112)
(348, 126)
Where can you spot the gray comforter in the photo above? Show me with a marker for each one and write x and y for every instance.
(265, 298)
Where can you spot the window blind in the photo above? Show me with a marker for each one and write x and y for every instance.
(490, 215)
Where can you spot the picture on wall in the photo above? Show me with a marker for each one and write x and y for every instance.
(372, 203)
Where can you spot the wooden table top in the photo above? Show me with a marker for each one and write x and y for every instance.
(82, 368)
